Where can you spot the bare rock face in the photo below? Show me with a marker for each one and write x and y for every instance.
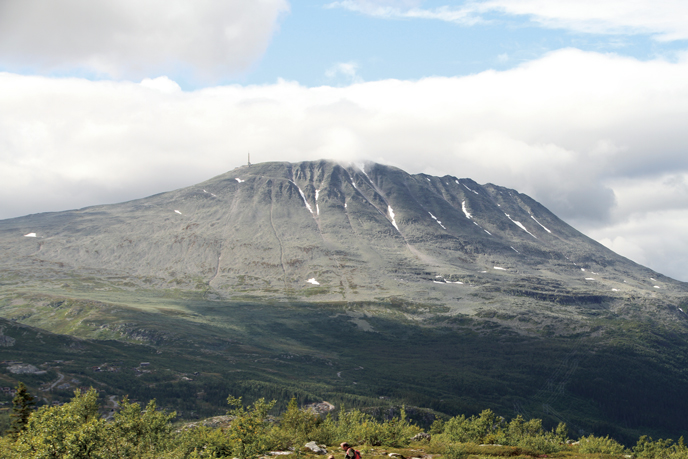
(323, 231)
(6, 341)
(422, 436)
(320, 409)
(24, 369)
(317, 449)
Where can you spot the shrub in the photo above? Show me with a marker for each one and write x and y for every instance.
(646, 448)
(72, 430)
(545, 443)
(248, 433)
(397, 432)
(604, 445)
(134, 433)
(360, 428)
(476, 429)
(296, 427)
(203, 442)
(455, 452)
(326, 432)
(437, 427)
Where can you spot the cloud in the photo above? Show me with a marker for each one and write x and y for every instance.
(655, 239)
(599, 139)
(399, 9)
(208, 39)
(664, 19)
(349, 70)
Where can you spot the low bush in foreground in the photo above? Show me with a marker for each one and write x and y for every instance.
(76, 430)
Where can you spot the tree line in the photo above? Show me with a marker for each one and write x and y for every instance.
(77, 430)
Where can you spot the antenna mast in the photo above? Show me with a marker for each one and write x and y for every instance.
(249, 159)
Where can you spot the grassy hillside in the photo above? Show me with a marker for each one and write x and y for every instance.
(613, 377)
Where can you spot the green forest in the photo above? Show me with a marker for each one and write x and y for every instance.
(77, 429)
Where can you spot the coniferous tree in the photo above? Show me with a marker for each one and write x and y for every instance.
(21, 410)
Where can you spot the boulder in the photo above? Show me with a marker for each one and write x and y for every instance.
(421, 436)
(317, 449)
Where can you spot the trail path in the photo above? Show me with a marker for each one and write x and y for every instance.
(59, 380)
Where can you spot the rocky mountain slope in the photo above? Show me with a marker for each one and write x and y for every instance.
(360, 284)
(328, 232)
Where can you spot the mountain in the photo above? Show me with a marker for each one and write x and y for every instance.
(356, 282)
(361, 233)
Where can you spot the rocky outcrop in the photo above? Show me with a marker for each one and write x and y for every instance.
(317, 449)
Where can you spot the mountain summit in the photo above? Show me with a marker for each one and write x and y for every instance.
(327, 232)
(355, 284)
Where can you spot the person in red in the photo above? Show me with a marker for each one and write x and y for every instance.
(350, 453)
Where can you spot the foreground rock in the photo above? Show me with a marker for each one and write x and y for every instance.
(317, 449)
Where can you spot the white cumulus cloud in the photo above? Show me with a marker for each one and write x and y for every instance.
(664, 19)
(348, 70)
(134, 39)
(411, 9)
(599, 139)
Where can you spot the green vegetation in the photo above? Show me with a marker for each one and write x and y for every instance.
(186, 307)
(615, 379)
(23, 402)
(76, 430)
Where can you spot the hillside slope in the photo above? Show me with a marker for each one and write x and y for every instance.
(356, 233)
(360, 284)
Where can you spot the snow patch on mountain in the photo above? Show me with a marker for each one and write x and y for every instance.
(303, 196)
(361, 167)
(438, 222)
(465, 210)
(541, 224)
(317, 208)
(469, 188)
(390, 211)
(520, 225)
(445, 281)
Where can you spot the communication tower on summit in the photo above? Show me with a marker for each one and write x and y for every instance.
(249, 159)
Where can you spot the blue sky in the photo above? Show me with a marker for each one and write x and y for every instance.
(313, 38)
(581, 104)
(309, 40)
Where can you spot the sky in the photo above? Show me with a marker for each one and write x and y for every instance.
(581, 104)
